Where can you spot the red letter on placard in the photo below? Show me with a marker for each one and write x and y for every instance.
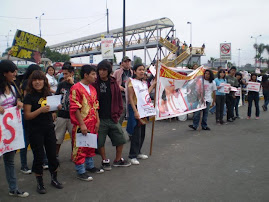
(8, 127)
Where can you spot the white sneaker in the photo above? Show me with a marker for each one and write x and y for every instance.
(134, 161)
(142, 156)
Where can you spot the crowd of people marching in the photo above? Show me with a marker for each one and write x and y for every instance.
(97, 104)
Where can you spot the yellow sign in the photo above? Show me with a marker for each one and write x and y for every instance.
(27, 46)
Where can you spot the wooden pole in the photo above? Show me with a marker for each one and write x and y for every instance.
(153, 121)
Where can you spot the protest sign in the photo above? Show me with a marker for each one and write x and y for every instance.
(238, 92)
(107, 47)
(144, 105)
(225, 88)
(178, 94)
(27, 46)
(11, 132)
(253, 86)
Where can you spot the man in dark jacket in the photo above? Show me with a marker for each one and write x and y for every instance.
(110, 109)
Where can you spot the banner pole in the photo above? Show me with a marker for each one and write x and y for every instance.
(153, 121)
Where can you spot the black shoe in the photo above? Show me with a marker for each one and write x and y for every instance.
(222, 122)
(18, 193)
(230, 120)
(191, 126)
(106, 166)
(84, 177)
(234, 118)
(55, 182)
(26, 170)
(40, 185)
(95, 170)
(121, 163)
(205, 128)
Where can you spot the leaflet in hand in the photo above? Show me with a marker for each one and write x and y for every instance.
(89, 140)
(54, 101)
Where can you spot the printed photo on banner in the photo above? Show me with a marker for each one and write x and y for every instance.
(178, 94)
(144, 105)
(11, 132)
(27, 46)
(253, 86)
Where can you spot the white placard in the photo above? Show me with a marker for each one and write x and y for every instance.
(89, 140)
(107, 48)
(54, 101)
(234, 89)
(11, 132)
(238, 92)
(144, 106)
(253, 86)
(225, 51)
(225, 88)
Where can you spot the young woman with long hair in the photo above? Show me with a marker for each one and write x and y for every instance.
(50, 74)
(136, 126)
(8, 98)
(220, 97)
(253, 96)
(210, 89)
(41, 132)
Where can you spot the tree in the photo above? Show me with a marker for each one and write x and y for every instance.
(55, 56)
(137, 60)
(211, 61)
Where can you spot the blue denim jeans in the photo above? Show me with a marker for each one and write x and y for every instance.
(89, 164)
(23, 152)
(10, 170)
(196, 117)
(213, 110)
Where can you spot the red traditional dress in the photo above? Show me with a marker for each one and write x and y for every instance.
(88, 106)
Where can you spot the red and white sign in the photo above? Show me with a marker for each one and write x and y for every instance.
(238, 92)
(11, 132)
(253, 86)
(107, 47)
(225, 51)
(225, 88)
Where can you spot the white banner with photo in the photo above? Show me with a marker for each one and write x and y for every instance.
(178, 94)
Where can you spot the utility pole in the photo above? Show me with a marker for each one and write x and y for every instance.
(190, 32)
(253, 37)
(107, 19)
(123, 31)
(8, 38)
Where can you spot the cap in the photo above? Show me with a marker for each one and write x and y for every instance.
(125, 58)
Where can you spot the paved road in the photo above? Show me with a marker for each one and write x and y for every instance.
(228, 163)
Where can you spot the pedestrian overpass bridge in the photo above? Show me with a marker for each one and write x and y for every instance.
(142, 36)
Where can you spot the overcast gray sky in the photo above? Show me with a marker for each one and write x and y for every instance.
(213, 21)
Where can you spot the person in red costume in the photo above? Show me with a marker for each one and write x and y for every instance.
(85, 119)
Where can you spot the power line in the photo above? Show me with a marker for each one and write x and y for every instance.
(22, 18)
(77, 28)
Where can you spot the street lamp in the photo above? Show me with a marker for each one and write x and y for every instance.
(239, 57)
(8, 38)
(190, 32)
(40, 22)
(253, 37)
